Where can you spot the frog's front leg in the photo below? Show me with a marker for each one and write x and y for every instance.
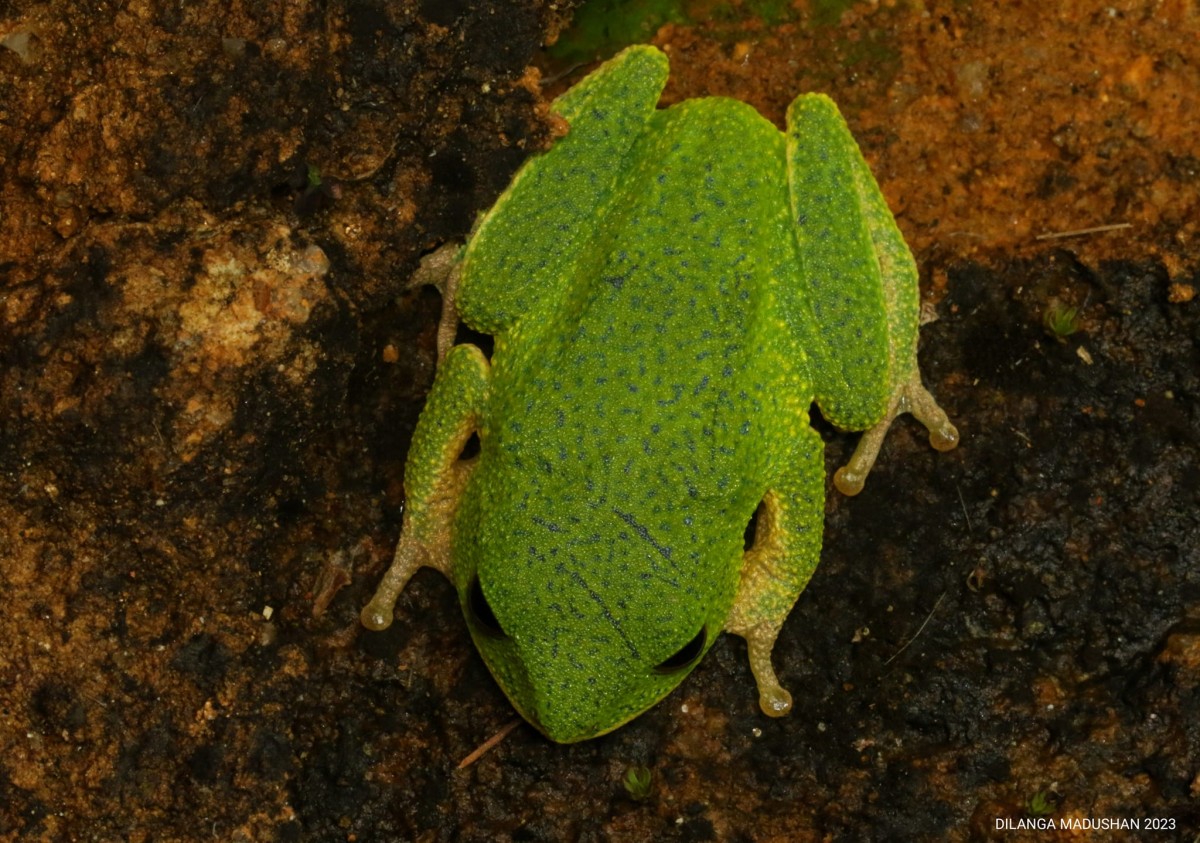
(787, 547)
(434, 477)
(442, 268)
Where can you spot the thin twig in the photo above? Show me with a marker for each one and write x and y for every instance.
(919, 631)
(963, 503)
(487, 745)
(1079, 232)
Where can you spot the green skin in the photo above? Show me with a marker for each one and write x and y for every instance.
(669, 291)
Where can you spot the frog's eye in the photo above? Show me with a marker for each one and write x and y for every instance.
(686, 655)
(481, 612)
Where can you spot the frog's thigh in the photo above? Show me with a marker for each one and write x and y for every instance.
(862, 287)
(857, 284)
(434, 477)
(787, 546)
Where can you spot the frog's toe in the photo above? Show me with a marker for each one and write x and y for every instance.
(848, 481)
(944, 437)
(775, 702)
(376, 616)
(773, 698)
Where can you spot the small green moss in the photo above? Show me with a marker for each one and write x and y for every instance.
(314, 176)
(1041, 804)
(639, 781)
(1061, 321)
(602, 27)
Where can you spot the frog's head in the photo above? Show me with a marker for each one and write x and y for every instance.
(579, 653)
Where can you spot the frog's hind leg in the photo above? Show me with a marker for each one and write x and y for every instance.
(858, 319)
(434, 477)
(787, 546)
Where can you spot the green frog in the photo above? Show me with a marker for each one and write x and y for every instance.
(669, 291)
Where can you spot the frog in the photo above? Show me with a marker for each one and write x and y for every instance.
(668, 291)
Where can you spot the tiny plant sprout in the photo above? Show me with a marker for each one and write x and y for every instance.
(1041, 804)
(639, 781)
(1061, 321)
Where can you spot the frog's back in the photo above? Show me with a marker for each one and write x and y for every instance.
(626, 438)
(669, 323)
(641, 393)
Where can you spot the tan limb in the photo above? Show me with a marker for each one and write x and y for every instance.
(910, 397)
(787, 546)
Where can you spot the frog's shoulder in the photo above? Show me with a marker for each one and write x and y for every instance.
(525, 247)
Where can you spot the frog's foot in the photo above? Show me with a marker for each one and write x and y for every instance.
(410, 555)
(442, 268)
(909, 397)
(764, 591)
(773, 698)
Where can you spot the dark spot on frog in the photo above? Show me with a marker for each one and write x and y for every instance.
(549, 525)
(643, 533)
